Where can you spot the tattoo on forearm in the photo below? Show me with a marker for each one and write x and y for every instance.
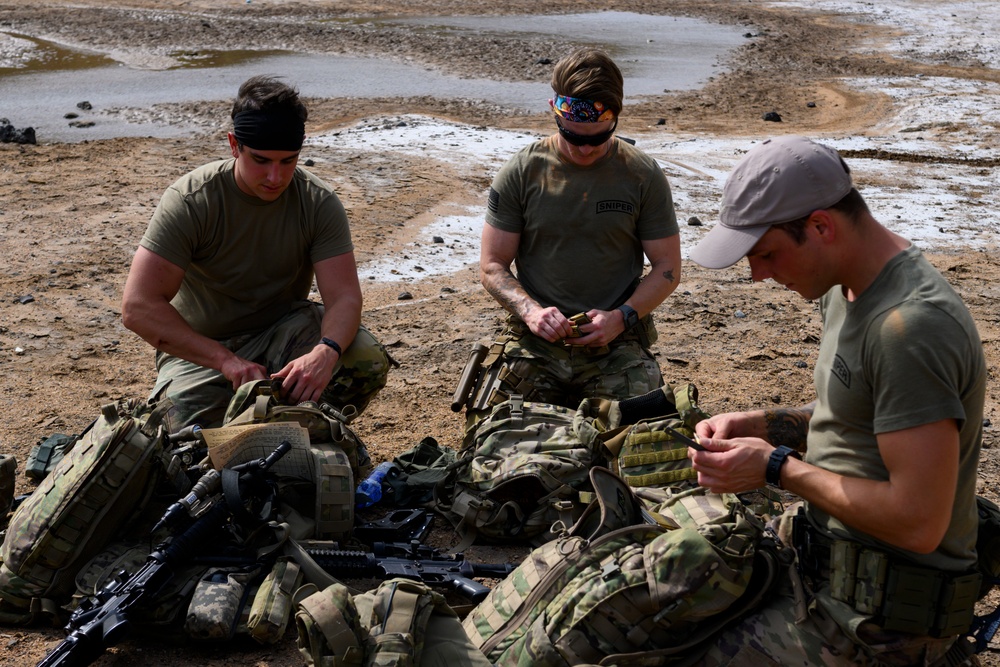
(508, 292)
(788, 426)
(668, 275)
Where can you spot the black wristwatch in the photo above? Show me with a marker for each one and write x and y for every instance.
(772, 474)
(631, 317)
(333, 344)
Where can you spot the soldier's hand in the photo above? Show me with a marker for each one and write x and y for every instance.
(239, 371)
(549, 324)
(305, 378)
(604, 327)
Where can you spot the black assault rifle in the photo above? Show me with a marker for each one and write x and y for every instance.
(411, 561)
(102, 621)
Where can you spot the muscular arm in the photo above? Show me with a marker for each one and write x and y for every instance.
(913, 506)
(496, 256)
(305, 378)
(152, 282)
(911, 509)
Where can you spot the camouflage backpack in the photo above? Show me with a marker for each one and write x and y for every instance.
(402, 623)
(523, 469)
(321, 490)
(525, 466)
(103, 480)
(626, 586)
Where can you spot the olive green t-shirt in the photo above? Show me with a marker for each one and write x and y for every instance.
(904, 354)
(246, 261)
(581, 227)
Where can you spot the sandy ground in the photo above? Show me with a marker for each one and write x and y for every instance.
(916, 119)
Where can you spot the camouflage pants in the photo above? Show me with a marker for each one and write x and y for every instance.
(832, 633)
(565, 374)
(200, 395)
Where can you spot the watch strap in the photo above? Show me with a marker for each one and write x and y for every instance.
(332, 343)
(631, 317)
(772, 474)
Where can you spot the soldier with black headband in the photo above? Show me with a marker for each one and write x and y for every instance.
(220, 282)
(575, 213)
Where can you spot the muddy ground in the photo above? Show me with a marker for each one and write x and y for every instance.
(72, 214)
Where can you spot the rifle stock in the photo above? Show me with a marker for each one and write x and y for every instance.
(470, 377)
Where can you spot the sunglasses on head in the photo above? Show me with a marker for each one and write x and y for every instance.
(585, 139)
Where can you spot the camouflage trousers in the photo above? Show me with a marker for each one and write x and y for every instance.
(812, 629)
(200, 395)
(565, 374)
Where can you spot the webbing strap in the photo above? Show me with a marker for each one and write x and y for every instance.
(260, 406)
(396, 605)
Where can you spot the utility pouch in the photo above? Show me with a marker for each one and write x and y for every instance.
(272, 605)
(646, 330)
(928, 602)
(843, 569)
(216, 605)
(46, 454)
(869, 590)
(956, 608)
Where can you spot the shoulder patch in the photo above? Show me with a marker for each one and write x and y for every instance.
(493, 203)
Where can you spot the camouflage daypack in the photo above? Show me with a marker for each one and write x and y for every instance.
(402, 623)
(106, 477)
(523, 469)
(526, 464)
(627, 587)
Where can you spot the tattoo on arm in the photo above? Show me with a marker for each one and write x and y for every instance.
(668, 275)
(789, 426)
(508, 292)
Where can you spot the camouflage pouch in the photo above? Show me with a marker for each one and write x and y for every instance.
(402, 623)
(217, 602)
(650, 453)
(329, 628)
(46, 454)
(272, 605)
(103, 481)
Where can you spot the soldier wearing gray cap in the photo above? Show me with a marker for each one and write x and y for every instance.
(885, 458)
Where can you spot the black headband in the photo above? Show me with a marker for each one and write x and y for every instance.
(269, 130)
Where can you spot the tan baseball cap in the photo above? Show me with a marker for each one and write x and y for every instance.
(779, 180)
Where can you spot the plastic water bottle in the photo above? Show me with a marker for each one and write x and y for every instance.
(369, 491)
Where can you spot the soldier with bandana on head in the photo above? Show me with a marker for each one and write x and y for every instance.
(220, 282)
(569, 221)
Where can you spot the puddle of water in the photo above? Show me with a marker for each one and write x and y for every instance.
(26, 54)
(655, 53)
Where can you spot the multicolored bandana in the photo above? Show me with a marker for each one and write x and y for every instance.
(577, 110)
(269, 130)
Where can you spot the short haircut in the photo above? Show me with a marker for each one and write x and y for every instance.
(851, 206)
(590, 74)
(267, 93)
